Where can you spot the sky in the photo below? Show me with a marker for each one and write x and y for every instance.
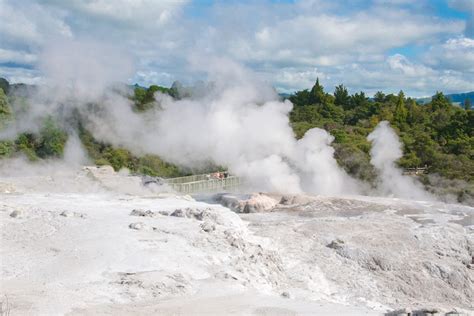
(419, 47)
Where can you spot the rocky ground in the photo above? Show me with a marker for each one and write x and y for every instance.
(100, 243)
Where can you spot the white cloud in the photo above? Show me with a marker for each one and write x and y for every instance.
(21, 75)
(288, 44)
(149, 77)
(15, 56)
(317, 39)
(466, 6)
(455, 54)
(462, 5)
(398, 72)
(27, 23)
(293, 79)
(400, 63)
(123, 13)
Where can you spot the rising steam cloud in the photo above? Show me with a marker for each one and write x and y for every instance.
(237, 121)
(386, 149)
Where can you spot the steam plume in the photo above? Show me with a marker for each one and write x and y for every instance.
(386, 149)
(237, 121)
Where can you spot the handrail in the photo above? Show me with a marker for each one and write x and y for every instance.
(208, 185)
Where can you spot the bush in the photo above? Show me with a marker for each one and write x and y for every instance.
(52, 140)
(26, 143)
(354, 161)
(6, 149)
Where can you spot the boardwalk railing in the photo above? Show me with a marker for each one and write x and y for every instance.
(187, 179)
(202, 183)
(415, 171)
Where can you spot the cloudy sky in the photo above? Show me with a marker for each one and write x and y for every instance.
(418, 46)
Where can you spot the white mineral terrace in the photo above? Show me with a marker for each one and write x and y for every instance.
(95, 242)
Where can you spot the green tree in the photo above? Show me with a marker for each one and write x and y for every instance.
(5, 110)
(379, 97)
(317, 95)
(26, 143)
(357, 100)
(139, 95)
(6, 148)
(439, 101)
(52, 140)
(4, 85)
(300, 98)
(341, 96)
(119, 158)
(401, 111)
(307, 113)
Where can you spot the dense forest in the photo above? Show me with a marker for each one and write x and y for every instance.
(437, 134)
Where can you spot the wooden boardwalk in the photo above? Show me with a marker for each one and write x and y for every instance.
(415, 171)
(202, 183)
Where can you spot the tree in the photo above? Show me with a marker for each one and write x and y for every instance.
(300, 98)
(439, 101)
(307, 113)
(52, 140)
(4, 85)
(317, 95)
(27, 143)
(379, 97)
(415, 115)
(145, 98)
(401, 112)
(357, 100)
(341, 96)
(139, 96)
(5, 110)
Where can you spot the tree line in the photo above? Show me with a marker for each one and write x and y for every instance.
(437, 134)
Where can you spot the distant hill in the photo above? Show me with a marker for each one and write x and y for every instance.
(284, 96)
(455, 98)
(21, 89)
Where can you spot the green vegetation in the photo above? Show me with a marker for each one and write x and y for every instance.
(51, 139)
(437, 134)
(49, 142)
(5, 110)
(105, 154)
(144, 98)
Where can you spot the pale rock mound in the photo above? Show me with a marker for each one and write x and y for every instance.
(255, 203)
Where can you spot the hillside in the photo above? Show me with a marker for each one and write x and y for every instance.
(456, 98)
(437, 135)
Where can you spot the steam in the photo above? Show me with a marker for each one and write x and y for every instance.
(77, 73)
(320, 171)
(83, 69)
(386, 149)
(74, 153)
(236, 121)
